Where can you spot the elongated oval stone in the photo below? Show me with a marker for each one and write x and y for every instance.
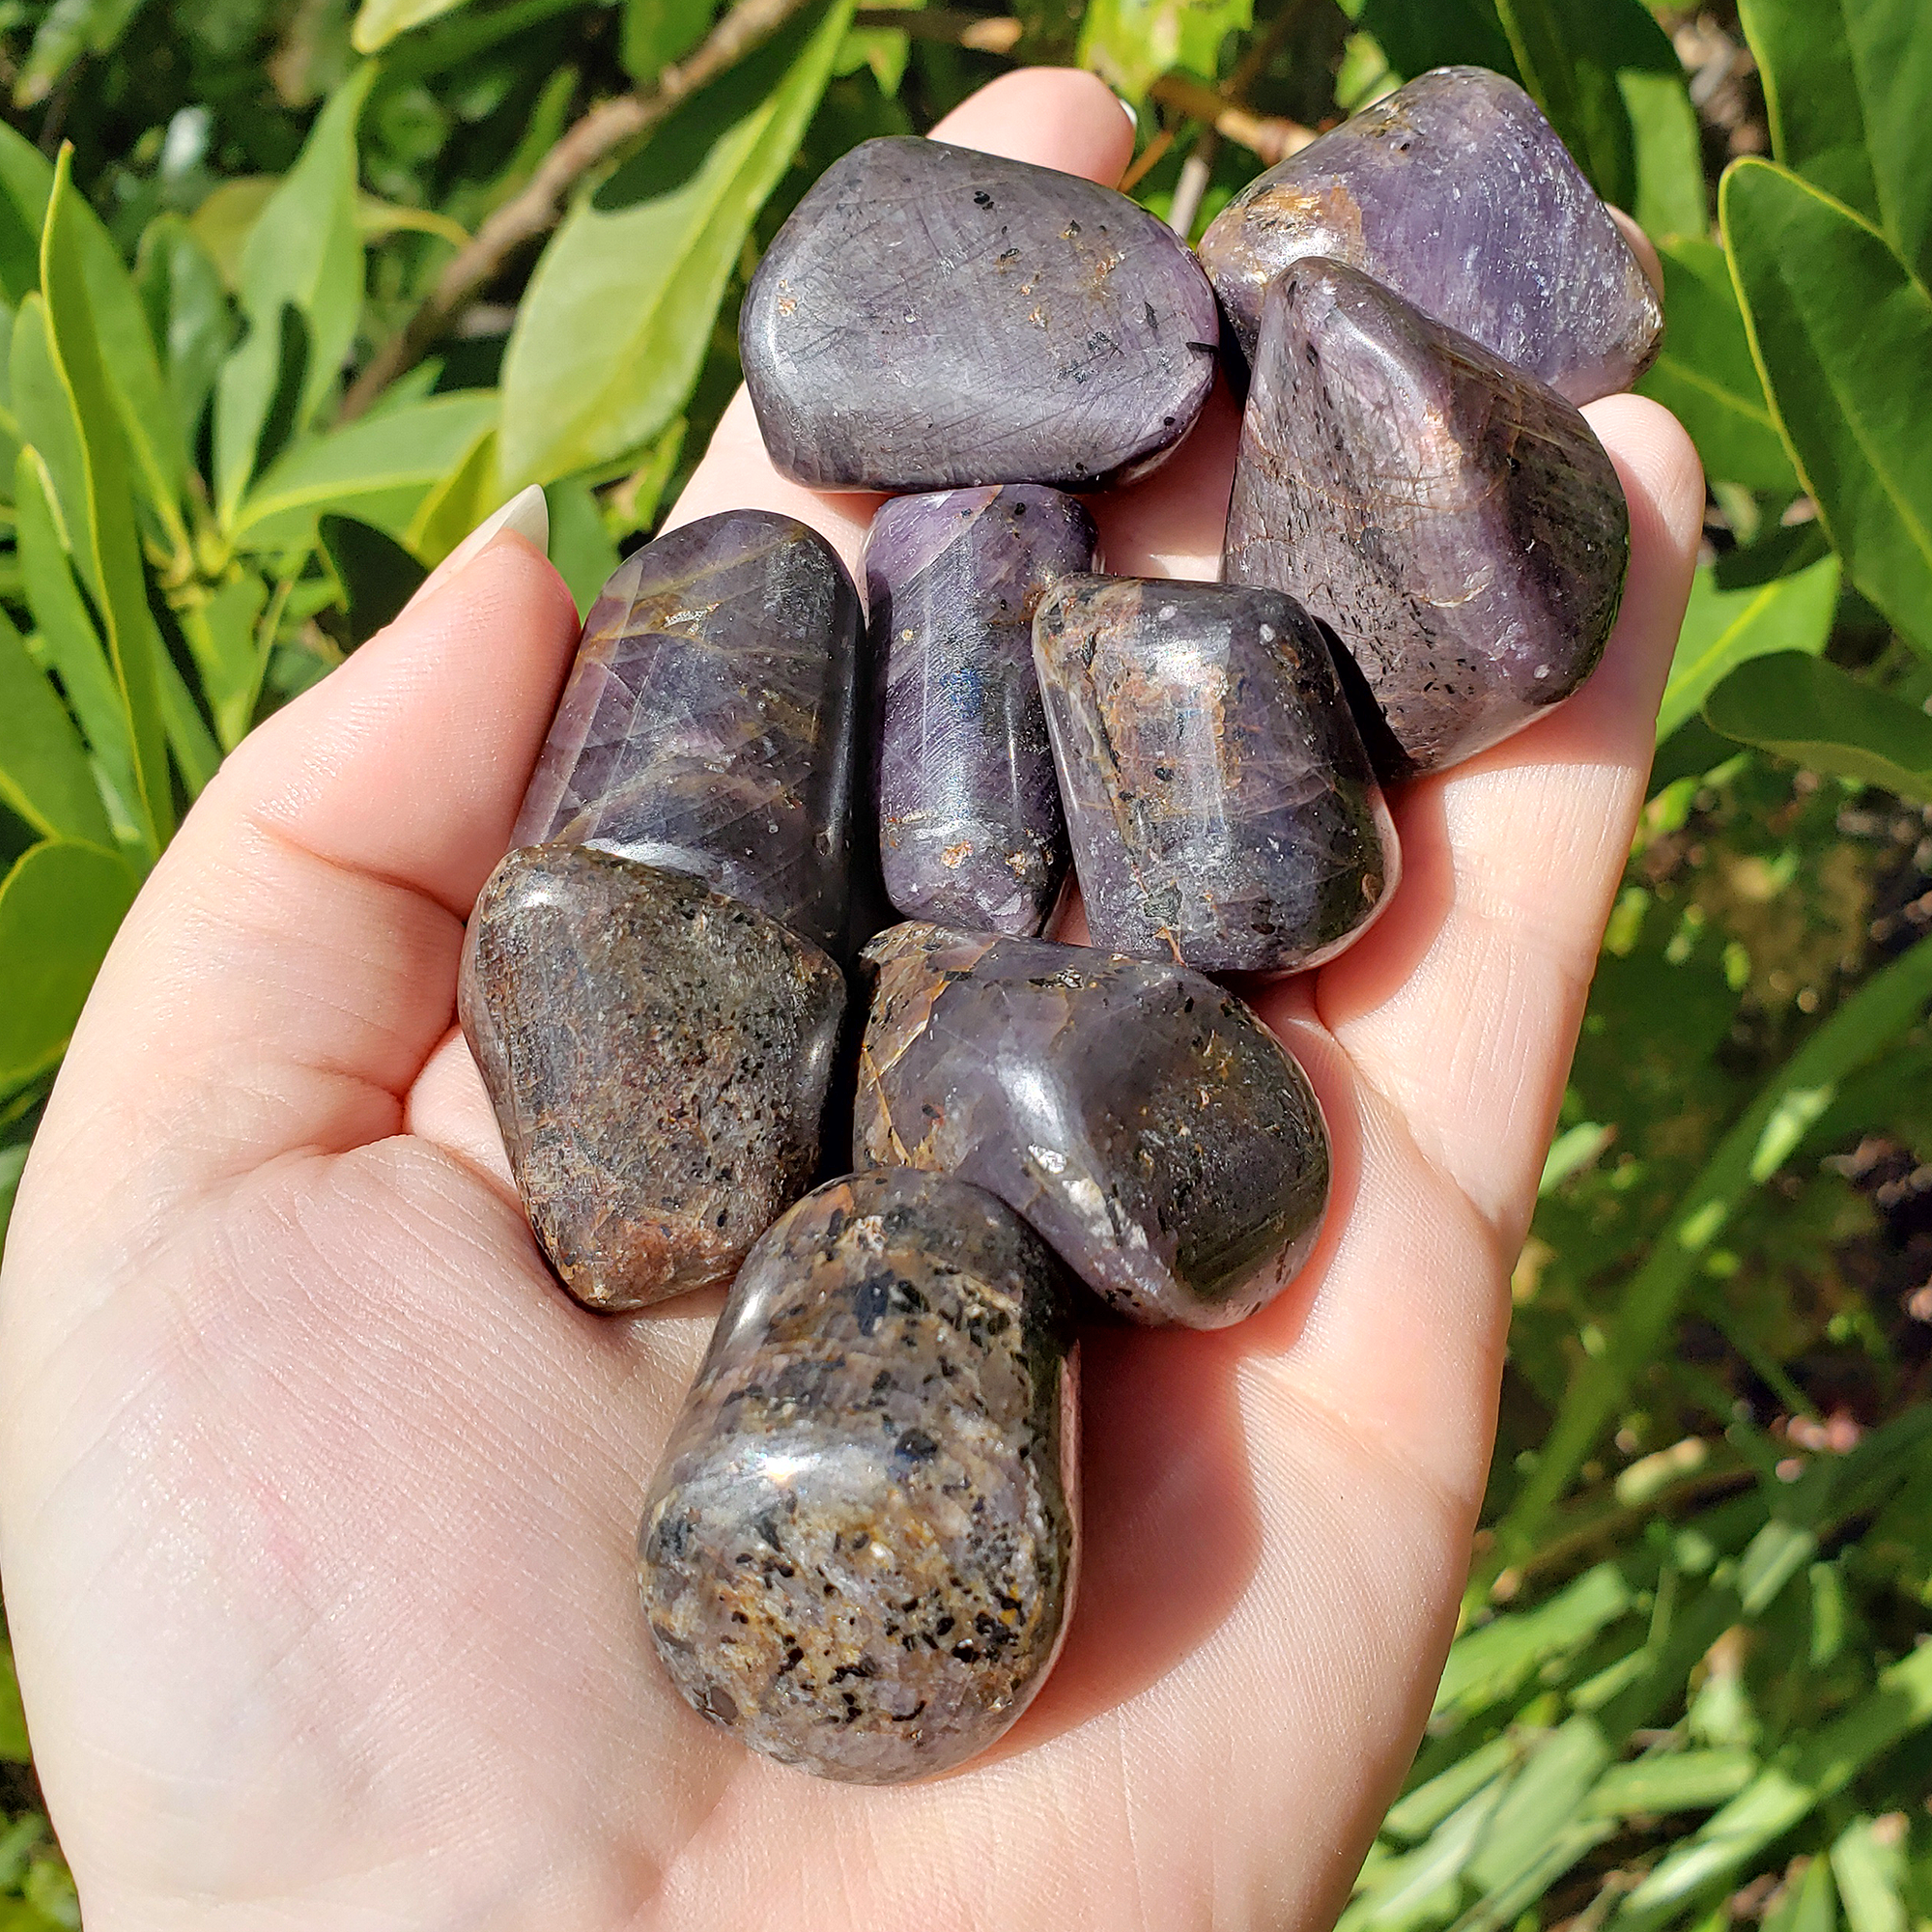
(1452, 520)
(657, 1055)
(930, 317)
(709, 723)
(1222, 807)
(1155, 1134)
(970, 826)
(1457, 193)
(859, 1552)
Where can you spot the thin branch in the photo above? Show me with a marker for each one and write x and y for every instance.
(1196, 171)
(1268, 136)
(537, 208)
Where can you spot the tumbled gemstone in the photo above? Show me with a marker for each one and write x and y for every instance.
(1164, 1144)
(1454, 193)
(930, 317)
(657, 1055)
(970, 826)
(708, 725)
(1222, 809)
(1452, 520)
(858, 1554)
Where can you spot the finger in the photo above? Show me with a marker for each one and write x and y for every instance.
(1052, 117)
(292, 963)
(1462, 1004)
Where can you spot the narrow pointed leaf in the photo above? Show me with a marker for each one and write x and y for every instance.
(1842, 334)
(44, 776)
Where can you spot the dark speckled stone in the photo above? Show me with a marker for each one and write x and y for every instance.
(970, 826)
(657, 1055)
(1454, 193)
(930, 317)
(858, 1554)
(1157, 1136)
(1222, 809)
(1452, 521)
(709, 725)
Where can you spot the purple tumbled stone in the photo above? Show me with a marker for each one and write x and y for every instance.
(657, 1055)
(1222, 807)
(1454, 193)
(1451, 519)
(1160, 1140)
(930, 317)
(970, 826)
(858, 1555)
(709, 723)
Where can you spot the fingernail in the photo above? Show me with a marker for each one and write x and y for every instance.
(1127, 108)
(527, 513)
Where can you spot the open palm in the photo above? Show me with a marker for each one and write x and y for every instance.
(317, 1497)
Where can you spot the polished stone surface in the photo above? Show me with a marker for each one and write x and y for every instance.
(1158, 1137)
(1222, 809)
(1454, 193)
(969, 827)
(930, 317)
(657, 1055)
(1452, 521)
(709, 725)
(858, 1554)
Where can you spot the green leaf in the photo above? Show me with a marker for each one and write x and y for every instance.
(221, 637)
(45, 413)
(44, 776)
(580, 545)
(614, 328)
(1842, 335)
(377, 469)
(1869, 1022)
(1130, 43)
(1820, 1765)
(1691, 1780)
(69, 29)
(1845, 88)
(73, 645)
(1668, 155)
(380, 21)
(1490, 1662)
(1722, 628)
(133, 646)
(1809, 711)
(190, 313)
(378, 576)
(196, 755)
(1871, 1875)
(1417, 35)
(1406, 1886)
(1549, 1794)
(59, 908)
(303, 253)
(658, 31)
(1421, 1810)
(156, 440)
(1705, 374)
(1809, 1905)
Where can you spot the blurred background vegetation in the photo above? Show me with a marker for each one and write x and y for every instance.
(293, 292)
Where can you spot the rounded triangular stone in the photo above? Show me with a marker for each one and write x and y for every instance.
(657, 1055)
(1454, 193)
(709, 724)
(969, 827)
(1452, 521)
(1149, 1128)
(1221, 806)
(858, 1555)
(931, 317)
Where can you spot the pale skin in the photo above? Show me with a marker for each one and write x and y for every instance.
(318, 1497)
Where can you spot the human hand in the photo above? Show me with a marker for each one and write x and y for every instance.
(318, 1497)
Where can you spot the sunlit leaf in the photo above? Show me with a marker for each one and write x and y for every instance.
(1130, 43)
(1723, 628)
(378, 22)
(613, 331)
(59, 908)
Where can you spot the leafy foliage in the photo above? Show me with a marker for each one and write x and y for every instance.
(1692, 1685)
